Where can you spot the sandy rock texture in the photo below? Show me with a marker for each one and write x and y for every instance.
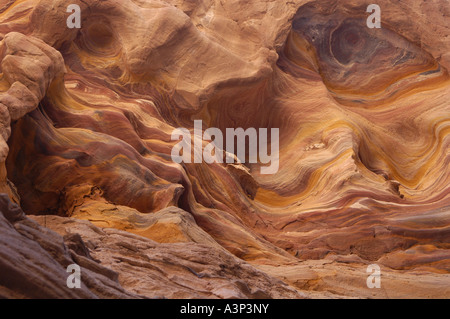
(86, 117)
(34, 260)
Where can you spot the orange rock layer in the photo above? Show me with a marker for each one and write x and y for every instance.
(363, 114)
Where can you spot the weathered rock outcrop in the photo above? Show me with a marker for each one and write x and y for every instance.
(34, 259)
(86, 117)
(30, 66)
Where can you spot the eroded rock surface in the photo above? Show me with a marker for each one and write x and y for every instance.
(87, 116)
(34, 261)
(176, 270)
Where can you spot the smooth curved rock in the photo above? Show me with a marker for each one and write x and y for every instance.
(87, 116)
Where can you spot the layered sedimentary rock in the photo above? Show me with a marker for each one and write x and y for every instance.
(34, 260)
(363, 116)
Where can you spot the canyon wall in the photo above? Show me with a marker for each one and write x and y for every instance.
(364, 120)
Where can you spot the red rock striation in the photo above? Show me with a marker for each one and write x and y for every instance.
(87, 116)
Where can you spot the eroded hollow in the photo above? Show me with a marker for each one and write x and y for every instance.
(359, 65)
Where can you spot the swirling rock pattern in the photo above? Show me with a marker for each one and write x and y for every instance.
(364, 118)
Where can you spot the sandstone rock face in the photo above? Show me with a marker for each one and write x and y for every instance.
(30, 66)
(181, 270)
(34, 260)
(86, 117)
